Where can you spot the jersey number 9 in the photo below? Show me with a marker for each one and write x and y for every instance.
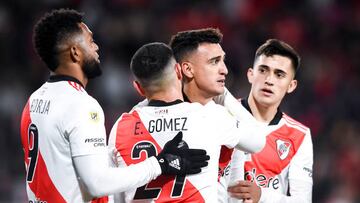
(33, 141)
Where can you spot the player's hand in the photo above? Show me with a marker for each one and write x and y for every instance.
(246, 190)
(177, 159)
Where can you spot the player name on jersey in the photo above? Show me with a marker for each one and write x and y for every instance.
(40, 106)
(166, 124)
(262, 180)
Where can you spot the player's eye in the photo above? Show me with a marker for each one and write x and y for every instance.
(215, 61)
(262, 70)
(280, 74)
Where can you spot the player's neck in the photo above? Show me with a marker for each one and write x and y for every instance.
(261, 112)
(168, 95)
(195, 95)
(73, 71)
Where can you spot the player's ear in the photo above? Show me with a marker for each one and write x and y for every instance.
(292, 86)
(75, 54)
(138, 88)
(187, 69)
(178, 71)
(250, 75)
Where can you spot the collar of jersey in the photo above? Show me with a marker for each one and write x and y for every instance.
(57, 78)
(155, 102)
(274, 121)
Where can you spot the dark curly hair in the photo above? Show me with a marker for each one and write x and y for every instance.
(187, 41)
(52, 30)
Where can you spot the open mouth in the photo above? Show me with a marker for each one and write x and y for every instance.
(221, 81)
(267, 91)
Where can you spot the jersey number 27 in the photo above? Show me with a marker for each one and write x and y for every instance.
(146, 192)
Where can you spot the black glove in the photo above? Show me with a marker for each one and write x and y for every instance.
(177, 159)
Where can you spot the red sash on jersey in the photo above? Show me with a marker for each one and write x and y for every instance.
(101, 200)
(224, 160)
(41, 184)
(281, 146)
(135, 144)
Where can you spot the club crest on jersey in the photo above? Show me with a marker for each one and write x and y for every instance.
(94, 116)
(283, 148)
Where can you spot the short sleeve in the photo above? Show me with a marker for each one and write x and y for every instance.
(85, 128)
(245, 136)
(226, 125)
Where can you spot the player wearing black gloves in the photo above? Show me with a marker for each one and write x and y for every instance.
(177, 159)
(162, 123)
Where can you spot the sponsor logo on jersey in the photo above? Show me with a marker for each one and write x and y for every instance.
(308, 170)
(262, 180)
(97, 142)
(225, 171)
(283, 148)
(144, 145)
(94, 116)
(37, 201)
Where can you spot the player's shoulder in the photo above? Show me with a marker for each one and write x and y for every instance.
(293, 123)
(78, 101)
(82, 101)
(168, 109)
(132, 114)
(66, 94)
(218, 112)
(212, 105)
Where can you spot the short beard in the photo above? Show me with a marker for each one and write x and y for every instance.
(91, 68)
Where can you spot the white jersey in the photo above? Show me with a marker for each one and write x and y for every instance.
(283, 169)
(60, 121)
(144, 131)
(226, 162)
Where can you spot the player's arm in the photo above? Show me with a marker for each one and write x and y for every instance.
(87, 139)
(250, 135)
(234, 106)
(247, 137)
(100, 179)
(236, 172)
(238, 159)
(251, 138)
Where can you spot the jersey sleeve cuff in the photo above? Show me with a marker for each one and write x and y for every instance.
(154, 164)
